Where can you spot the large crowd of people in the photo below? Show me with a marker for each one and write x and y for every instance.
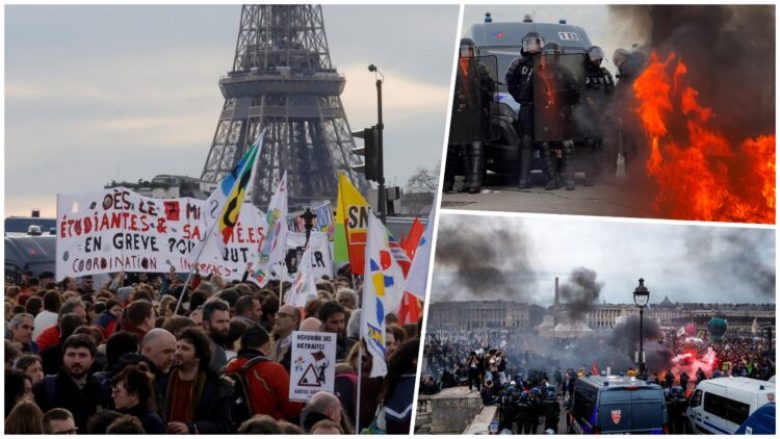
(531, 389)
(122, 358)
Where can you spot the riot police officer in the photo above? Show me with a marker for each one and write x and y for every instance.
(624, 133)
(519, 80)
(470, 125)
(677, 410)
(559, 91)
(524, 415)
(598, 87)
(551, 410)
(508, 406)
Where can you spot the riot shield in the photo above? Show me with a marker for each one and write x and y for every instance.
(472, 105)
(558, 82)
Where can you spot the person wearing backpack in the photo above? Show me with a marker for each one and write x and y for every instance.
(196, 400)
(265, 383)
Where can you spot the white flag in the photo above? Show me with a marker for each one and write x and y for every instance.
(304, 287)
(382, 291)
(273, 248)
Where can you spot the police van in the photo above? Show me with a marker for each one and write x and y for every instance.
(616, 405)
(721, 405)
(504, 40)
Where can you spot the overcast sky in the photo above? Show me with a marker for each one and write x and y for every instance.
(688, 263)
(101, 93)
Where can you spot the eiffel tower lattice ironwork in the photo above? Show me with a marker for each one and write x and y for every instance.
(283, 80)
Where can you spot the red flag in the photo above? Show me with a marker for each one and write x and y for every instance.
(593, 369)
(412, 240)
(410, 311)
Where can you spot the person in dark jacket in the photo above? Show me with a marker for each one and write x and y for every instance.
(399, 388)
(196, 400)
(74, 388)
(133, 394)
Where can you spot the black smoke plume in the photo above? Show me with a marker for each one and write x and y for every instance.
(488, 261)
(625, 338)
(732, 257)
(581, 291)
(730, 54)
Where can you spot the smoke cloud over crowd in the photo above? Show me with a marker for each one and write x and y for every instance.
(488, 262)
(580, 292)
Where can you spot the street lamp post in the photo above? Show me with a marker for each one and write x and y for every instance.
(382, 199)
(641, 298)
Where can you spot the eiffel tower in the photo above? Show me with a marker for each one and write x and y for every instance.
(283, 80)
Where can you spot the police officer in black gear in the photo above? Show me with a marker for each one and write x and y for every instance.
(519, 80)
(508, 407)
(676, 410)
(470, 125)
(524, 415)
(558, 88)
(599, 85)
(551, 411)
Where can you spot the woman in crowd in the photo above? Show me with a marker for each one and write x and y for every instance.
(133, 395)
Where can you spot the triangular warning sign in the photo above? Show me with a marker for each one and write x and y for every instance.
(310, 378)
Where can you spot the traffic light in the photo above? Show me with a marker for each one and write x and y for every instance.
(372, 166)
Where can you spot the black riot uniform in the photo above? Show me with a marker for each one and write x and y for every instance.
(508, 406)
(519, 80)
(557, 91)
(551, 411)
(470, 125)
(599, 85)
(624, 133)
(676, 410)
(524, 414)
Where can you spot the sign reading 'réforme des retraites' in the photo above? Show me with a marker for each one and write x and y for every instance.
(313, 364)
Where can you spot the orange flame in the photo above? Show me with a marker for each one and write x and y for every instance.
(699, 174)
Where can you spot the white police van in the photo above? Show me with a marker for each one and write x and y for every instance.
(721, 405)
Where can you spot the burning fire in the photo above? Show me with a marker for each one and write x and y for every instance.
(698, 173)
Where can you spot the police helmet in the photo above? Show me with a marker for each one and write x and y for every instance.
(619, 57)
(532, 43)
(467, 47)
(595, 54)
(513, 383)
(667, 393)
(536, 391)
(524, 395)
(552, 47)
(510, 389)
(677, 390)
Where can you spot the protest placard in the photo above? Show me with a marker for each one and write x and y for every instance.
(313, 365)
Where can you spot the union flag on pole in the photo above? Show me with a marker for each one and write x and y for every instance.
(382, 292)
(349, 230)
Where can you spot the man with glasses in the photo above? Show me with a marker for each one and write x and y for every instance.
(59, 421)
(285, 322)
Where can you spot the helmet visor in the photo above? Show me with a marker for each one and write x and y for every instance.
(532, 45)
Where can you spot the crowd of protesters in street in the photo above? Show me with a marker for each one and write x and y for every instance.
(120, 358)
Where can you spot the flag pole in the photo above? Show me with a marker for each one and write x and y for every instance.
(360, 379)
(210, 231)
(194, 268)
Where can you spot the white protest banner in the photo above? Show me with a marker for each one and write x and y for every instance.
(119, 230)
(313, 364)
